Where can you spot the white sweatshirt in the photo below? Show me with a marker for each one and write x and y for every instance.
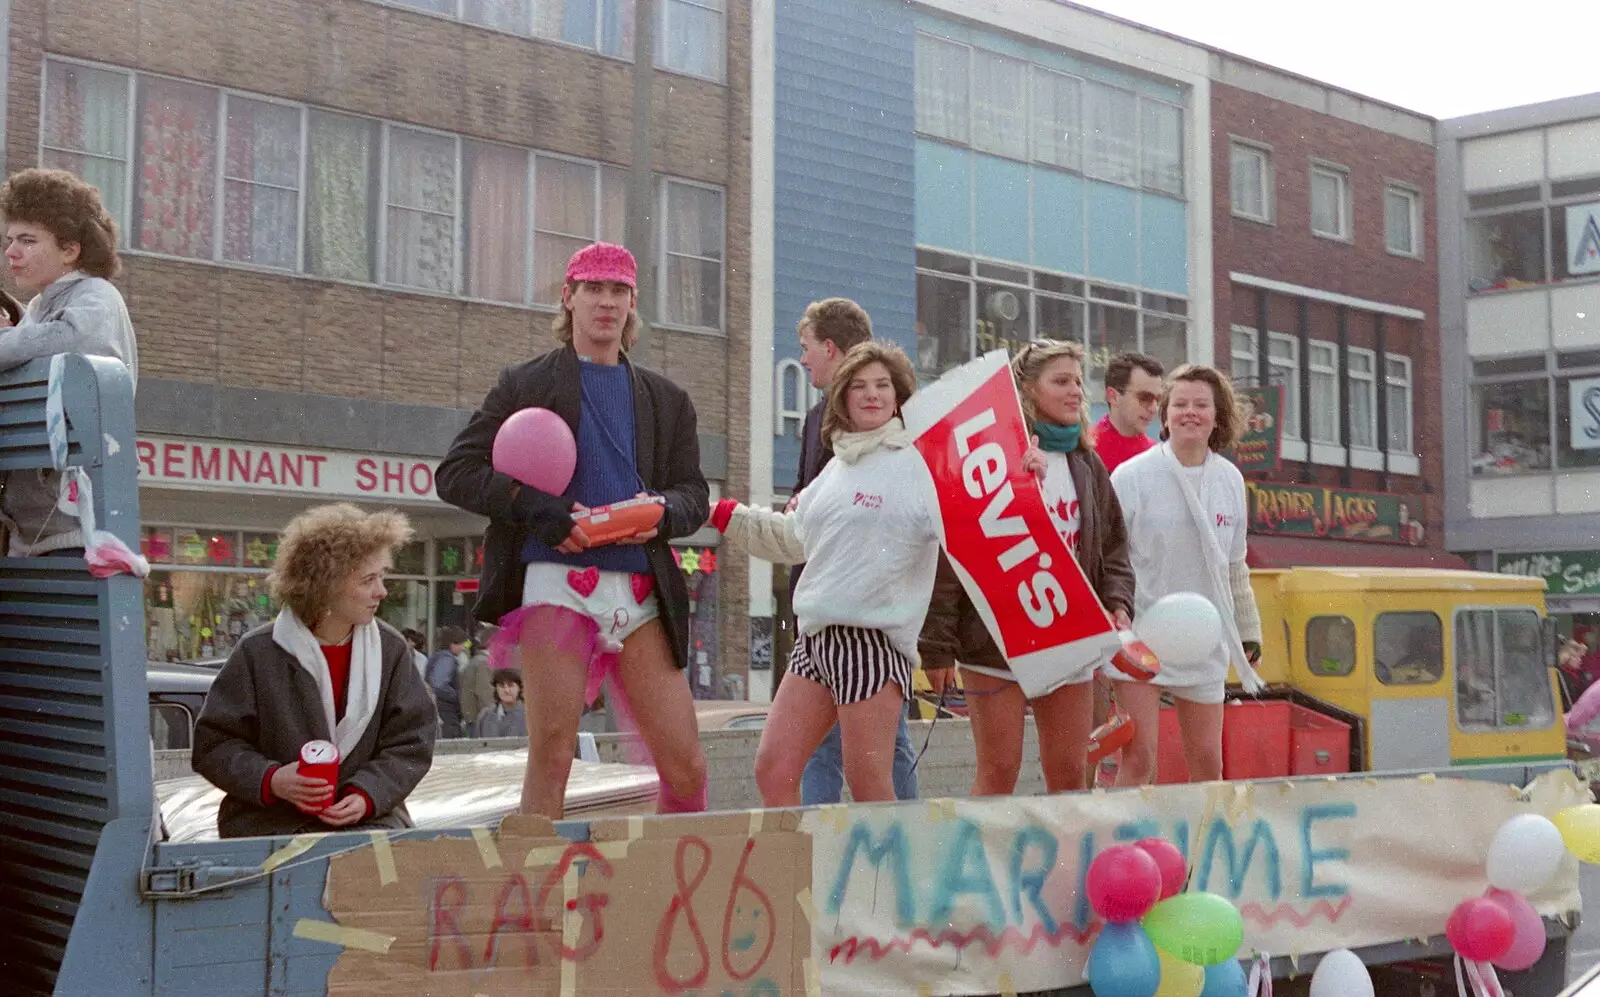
(866, 530)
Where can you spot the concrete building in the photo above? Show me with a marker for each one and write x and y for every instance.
(1519, 278)
(341, 218)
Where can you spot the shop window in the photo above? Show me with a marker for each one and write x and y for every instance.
(1331, 645)
(260, 549)
(1578, 421)
(205, 547)
(201, 615)
(1502, 677)
(455, 557)
(1581, 252)
(155, 543)
(1003, 320)
(1408, 648)
(406, 604)
(1511, 427)
(944, 324)
(1505, 250)
(1061, 319)
(412, 559)
(703, 579)
(171, 727)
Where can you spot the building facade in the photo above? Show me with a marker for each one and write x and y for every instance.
(1324, 237)
(342, 219)
(1519, 195)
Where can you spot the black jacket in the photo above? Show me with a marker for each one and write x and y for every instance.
(814, 456)
(667, 454)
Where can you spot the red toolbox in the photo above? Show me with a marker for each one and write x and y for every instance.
(1318, 744)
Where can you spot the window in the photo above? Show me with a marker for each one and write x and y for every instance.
(1363, 400)
(502, 15)
(495, 255)
(1577, 425)
(1112, 330)
(1161, 146)
(1245, 361)
(1408, 648)
(1250, 181)
(1502, 678)
(1397, 380)
(1511, 427)
(999, 104)
(1284, 360)
(1324, 363)
(606, 26)
(421, 241)
(261, 184)
(944, 324)
(1505, 250)
(1057, 119)
(177, 169)
(942, 88)
(171, 727)
(691, 35)
(342, 171)
(1111, 149)
(85, 130)
(1331, 645)
(1330, 201)
(691, 284)
(1402, 220)
(575, 204)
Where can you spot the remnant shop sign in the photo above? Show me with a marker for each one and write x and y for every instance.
(231, 466)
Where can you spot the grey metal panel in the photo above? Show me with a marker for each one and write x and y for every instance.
(1410, 733)
(844, 193)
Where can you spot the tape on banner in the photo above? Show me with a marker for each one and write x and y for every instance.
(813, 982)
(384, 853)
(834, 813)
(1370, 783)
(571, 925)
(351, 938)
(1005, 985)
(1427, 778)
(755, 822)
(486, 849)
(809, 909)
(635, 827)
(293, 850)
(924, 990)
(947, 807)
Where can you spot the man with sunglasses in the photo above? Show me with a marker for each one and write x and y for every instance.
(1133, 390)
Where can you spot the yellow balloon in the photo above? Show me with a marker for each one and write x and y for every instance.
(1580, 829)
(1179, 978)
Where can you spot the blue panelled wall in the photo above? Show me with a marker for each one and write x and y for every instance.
(844, 186)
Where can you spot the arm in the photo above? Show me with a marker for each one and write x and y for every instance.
(467, 479)
(1584, 710)
(94, 321)
(1246, 615)
(771, 536)
(404, 750)
(1116, 572)
(688, 497)
(225, 734)
(938, 643)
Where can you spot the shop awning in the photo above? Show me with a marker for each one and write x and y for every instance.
(1290, 552)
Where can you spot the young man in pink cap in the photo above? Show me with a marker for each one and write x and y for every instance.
(582, 612)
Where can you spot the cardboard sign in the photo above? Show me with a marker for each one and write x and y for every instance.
(1019, 573)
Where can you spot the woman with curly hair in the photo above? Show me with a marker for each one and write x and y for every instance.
(61, 245)
(325, 669)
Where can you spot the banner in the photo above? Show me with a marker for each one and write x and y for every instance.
(1020, 574)
(1260, 446)
(1565, 572)
(1334, 513)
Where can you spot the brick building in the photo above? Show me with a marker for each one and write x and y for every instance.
(1324, 234)
(341, 218)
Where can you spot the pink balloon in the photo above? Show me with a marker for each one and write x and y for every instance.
(1124, 882)
(1169, 860)
(536, 447)
(1480, 930)
(1527, 945)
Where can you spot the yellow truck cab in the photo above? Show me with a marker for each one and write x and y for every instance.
(1445, 667)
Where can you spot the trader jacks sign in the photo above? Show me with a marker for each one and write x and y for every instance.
(1332, 513)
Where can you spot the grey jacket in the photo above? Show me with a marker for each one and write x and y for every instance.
(263, 707)
(76, 314)
(493, 722)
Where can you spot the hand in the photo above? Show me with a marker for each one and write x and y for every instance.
(576, 541)
(941, 679)
(307, 794)
(1033, 459)
(1252, 652)
(794, 503)
(350, 810)
(1120, 620)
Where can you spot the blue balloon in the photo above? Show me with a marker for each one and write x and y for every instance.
(1225, 979)
(1123, 962)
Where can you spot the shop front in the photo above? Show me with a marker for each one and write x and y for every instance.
(1314, 525)
(213, 511)
(1572, 590)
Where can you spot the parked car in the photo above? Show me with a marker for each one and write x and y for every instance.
(177, 691)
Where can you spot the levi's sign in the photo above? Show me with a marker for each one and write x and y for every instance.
(1018, 571)
(226, 465)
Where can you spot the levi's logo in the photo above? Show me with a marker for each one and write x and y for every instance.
(869, 501)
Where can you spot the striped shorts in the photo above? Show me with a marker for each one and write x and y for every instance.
(852, 663)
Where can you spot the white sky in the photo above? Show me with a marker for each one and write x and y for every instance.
(1442, 58)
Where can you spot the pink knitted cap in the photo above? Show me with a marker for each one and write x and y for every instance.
(603, 261)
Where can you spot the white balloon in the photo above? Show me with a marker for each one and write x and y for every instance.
(1341, 973)
(1183, 628)
(1525, 853)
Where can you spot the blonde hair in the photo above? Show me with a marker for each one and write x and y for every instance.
(322, 547)
(1029, 365)
(1226, 432)
(562, 325)
(836, 417)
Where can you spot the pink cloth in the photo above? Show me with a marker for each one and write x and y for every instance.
(603, 261)
(1584, 710)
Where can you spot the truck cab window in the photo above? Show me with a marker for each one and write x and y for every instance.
(1408, 648)
(1502, 678)
(1331, 645)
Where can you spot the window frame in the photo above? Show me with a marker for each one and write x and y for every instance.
(130, 97)
(1370, 379)
(660, 55)
(1497, 727)
(386, 204)
(1413, 196)
(160, 705)
(663, 185)
(1408, 383)
(1355, 644)
(1341, 175)
(1266, 174)
(1332, 374)
(1444, 658)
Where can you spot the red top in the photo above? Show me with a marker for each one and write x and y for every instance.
(339, 672)
(1113, 447)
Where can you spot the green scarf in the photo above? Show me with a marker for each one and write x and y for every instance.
(1057, 439)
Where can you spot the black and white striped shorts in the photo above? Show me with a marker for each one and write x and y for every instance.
(853, 663)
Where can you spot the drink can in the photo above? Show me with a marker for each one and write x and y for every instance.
(320, 760)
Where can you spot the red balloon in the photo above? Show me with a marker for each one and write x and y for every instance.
(1124, 882)
(1480, 930)
(1170, 861)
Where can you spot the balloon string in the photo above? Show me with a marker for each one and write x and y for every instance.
(1479, 977)
(1260, 976)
